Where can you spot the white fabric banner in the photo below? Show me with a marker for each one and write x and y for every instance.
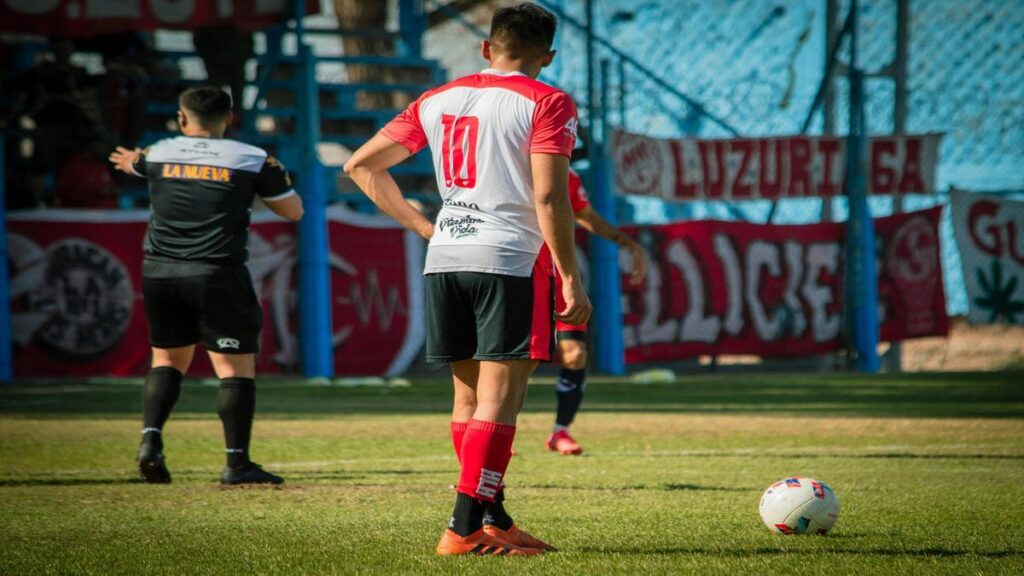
(989, 232)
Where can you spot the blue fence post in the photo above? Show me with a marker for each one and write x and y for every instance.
(411, 27)
(314, 269)
(860, 234)
(6, 356)
(604, 256)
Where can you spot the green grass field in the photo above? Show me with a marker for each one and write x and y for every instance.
(929, 470)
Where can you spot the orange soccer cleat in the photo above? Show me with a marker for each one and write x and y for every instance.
(562, 443)
(480, 543)
(518, 538)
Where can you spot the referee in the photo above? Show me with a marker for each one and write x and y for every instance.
(195, 285)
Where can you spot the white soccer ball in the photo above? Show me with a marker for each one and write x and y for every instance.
(799, 506)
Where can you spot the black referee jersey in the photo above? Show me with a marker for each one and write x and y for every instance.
(201, 192)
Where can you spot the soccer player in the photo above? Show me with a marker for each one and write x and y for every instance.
(572, 338)
(501, 142)
(195, 285)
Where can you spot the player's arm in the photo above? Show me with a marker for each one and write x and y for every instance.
(592, 221)
(289, 208)
(274, 187)
(131, 162)
(368, 168)
(551, 194)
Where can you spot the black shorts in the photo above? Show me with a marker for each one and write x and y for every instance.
(473, 315)
(218, 309)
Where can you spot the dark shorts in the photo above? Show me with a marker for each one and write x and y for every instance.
(473, 315)
(218, 309)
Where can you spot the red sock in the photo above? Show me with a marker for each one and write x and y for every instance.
(486, 450)
(458, 432)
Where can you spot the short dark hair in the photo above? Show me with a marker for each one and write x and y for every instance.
(525, 28)
(209, 104)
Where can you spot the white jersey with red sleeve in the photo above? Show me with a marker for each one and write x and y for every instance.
(481, 130)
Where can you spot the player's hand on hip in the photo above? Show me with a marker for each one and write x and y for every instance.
(577, 304)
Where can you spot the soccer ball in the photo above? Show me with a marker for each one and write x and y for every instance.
(799, 506)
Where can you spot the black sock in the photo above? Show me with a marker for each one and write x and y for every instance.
(569, 387)
(237, 404)
(468, 516)
(495, 514)
(159, 394)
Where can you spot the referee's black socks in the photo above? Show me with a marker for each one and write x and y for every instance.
(159, 394)
(237, 405)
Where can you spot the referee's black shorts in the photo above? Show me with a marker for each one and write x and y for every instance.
(217, 308)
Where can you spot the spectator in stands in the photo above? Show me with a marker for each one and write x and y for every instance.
(225, 49)
(52, 95)
(84, 179)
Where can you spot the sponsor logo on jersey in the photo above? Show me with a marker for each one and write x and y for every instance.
(224, 343)
(196, 172)
(570, 128)
(460, 227)
(461, 204)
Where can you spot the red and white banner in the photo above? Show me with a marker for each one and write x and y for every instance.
(73, 18)
(989, 232)
(787, 167)
(776, 291)
(76, 298)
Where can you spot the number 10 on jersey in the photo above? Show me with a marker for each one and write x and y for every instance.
(458, 154)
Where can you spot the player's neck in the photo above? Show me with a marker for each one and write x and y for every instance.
(202, 133)
(528, 67)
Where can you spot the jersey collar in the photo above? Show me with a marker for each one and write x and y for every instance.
(501, 73)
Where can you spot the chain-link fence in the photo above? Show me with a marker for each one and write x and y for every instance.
(757, 64)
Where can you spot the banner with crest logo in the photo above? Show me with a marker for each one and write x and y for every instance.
(76, 295)
(777, 167)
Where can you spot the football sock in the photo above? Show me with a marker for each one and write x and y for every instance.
(159, 394)
(486, 451)
(570, 387)
(468, 516)
(237, 404)
(495, 514)
(458, 433)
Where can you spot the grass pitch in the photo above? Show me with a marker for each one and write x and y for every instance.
(929, 470)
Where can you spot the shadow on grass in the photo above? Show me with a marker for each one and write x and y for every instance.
(765, 551)
(16, 482)
(990, 395)
(665, 487)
